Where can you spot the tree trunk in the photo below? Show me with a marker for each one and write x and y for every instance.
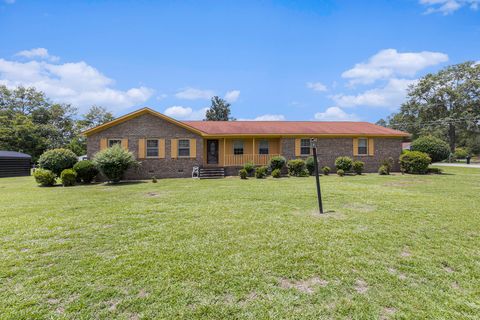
(451, 137)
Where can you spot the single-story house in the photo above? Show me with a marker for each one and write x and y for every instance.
(168, 148)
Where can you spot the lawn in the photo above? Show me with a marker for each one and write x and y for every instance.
(389, 247)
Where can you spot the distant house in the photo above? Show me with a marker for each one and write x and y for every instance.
(170, 148)
(406, 145)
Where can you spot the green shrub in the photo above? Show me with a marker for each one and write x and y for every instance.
(461, 153)
(57, 160)
(43, 177)
(243, 173)
(436, 148)
(114, 162)
(388, 164)
(154, 179)
(277, 173)
(344, 163)
(277, 162)
(383, 171)
(310, 164)
(326, 170)
(435, 170)
(341, 172)
(297, 168)
(250, 168)
(358, 166)
(415, 162)
(86, 171)
(261, 172)
(68, 177)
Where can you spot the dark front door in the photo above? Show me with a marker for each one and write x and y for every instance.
(212, 151)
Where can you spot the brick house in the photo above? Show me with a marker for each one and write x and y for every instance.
(168, 148)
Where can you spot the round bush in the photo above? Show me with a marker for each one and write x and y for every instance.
(461, 153)
(57, 160)
(43, 177)
(358, 166)
(297, 168)
(277, 173)
(114, 162)
(344, 163)
(261, 172)
(250, 168)
(277, 162)
(326, 170)
(68, 177)
(310, 164)
(243, 174)
(415, 162)
(436, 148)
(383, 171)
(86, 171)
(341, 172)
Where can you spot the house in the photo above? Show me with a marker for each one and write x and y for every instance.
(170, 148)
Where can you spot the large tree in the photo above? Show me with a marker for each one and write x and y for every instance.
(444, 104)
(219, 110)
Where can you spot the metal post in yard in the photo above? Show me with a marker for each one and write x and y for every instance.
(317, 178)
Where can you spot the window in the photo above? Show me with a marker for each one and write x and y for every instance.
(112, 142)
(184, 148)
(305, 147)
(362, 146)
(152, 148)
(238, 147)
(263, 147)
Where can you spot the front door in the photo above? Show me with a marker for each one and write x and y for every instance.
(212, 151)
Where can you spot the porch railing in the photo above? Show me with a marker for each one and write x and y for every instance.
(238, 160)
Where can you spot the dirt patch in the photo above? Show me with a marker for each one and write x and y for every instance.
(152, 194)
(142, 293)
(401, 276)
(455, 285)
(360, 207)
(387, 313)
(361, 286)
(405, 254)
(305, 286)
(112, 305)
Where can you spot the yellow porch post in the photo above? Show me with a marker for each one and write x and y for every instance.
(224, 147)
(253, 150)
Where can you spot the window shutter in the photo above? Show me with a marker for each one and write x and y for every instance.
(174, 148)
(371, 147)
(141, 148)
(161, 148)
(355, 146)
(125, 144)
(193, 148)
(103, 144)
(297, 147)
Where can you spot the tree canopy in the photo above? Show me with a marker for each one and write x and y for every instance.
(219, 110)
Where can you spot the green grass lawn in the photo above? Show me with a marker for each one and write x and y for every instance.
(390, 247)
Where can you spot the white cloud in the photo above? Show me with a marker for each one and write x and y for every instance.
(232, 96)
(194, 94)
(270, 117)
(317, 86)
(389, 96)
(40, 53)
(9, 1)
(448, 6)
(185, 113)
(335, 114)
(390, 63)
(76, 82)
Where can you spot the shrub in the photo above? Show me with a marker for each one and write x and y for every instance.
(436, 148)
(277, 162)
(261, 172)
(154, 179)
(326, 170)
(358, 166)
(310, 164)
(435, 170)
(415, 162)
(243, 173)
(383, 171)
(57, 160)
(341, 172)
(388, 164)
(297, 168)
(43, 177)
(344, 163)
(113, 162)
(277, 173)
(86, 171)
(461, 153)
(250, 168)
(68, 177)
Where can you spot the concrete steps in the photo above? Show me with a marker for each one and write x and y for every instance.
(212, 173)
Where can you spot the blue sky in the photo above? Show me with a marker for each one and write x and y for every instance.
(293, 60)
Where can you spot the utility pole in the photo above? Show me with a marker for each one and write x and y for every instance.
(317, 178)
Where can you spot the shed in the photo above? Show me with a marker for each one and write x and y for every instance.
(14, 164)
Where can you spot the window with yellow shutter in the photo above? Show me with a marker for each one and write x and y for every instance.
(362, 146)
(184, 148)
(152, 148)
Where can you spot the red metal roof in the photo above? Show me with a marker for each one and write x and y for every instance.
(292, 128)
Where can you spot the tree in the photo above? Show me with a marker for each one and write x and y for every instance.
(219, 110)
(95, 117)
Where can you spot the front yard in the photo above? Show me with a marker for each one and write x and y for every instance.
(391, 247)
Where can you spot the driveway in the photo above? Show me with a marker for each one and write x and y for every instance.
(462, 165)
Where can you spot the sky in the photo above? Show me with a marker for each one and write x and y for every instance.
(272, 60)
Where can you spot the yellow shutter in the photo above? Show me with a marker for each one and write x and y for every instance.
(193, 148)
(355, 146)
(174, 149)
(371, 147)
(297, 147)
(103, 144)
(141, 148)
(125, 144)
(161, 148)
